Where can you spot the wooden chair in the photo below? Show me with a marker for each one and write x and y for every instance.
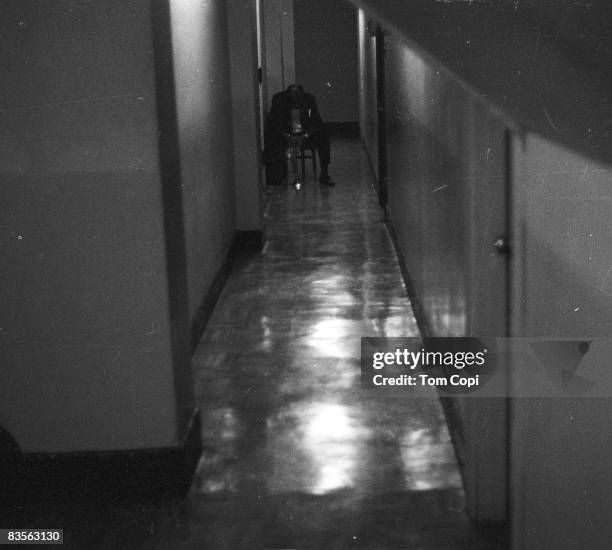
(308, 151)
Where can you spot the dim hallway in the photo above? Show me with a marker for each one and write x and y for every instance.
(296, 453)
(135, 415)
(300, 454)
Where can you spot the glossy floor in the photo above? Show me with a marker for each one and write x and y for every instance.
(296, 453)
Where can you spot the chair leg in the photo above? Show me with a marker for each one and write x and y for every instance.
(303, 159)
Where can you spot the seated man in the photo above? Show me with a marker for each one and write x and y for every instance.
(285, 105)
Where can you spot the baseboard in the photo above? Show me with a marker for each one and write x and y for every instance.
(249, 241)
(449, 407)
(373, 171)
(244, 241)
(100, 476)
(207, 305)
(8, 445)
(417, 308)
(455, 429)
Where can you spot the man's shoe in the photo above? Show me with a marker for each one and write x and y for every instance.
(326, 180)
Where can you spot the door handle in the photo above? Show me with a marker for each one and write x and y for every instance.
(501, 245)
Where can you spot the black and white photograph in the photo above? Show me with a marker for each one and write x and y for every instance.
(306, 274)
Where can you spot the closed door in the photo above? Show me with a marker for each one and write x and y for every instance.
(486, 428)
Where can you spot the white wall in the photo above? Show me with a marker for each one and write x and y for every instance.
(562, 447)
(565, 236)
(447, 201)
(242, 19)
(94, 326)
(85, 337)
(447, 191)
(446, 168)
(201, 66)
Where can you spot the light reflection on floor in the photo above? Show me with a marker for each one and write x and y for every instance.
(289, 327)
(294, 447)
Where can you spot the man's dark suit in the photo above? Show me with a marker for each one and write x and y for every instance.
(278, 123)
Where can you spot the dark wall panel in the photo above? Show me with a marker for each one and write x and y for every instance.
(367, 89)
(326, 56)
